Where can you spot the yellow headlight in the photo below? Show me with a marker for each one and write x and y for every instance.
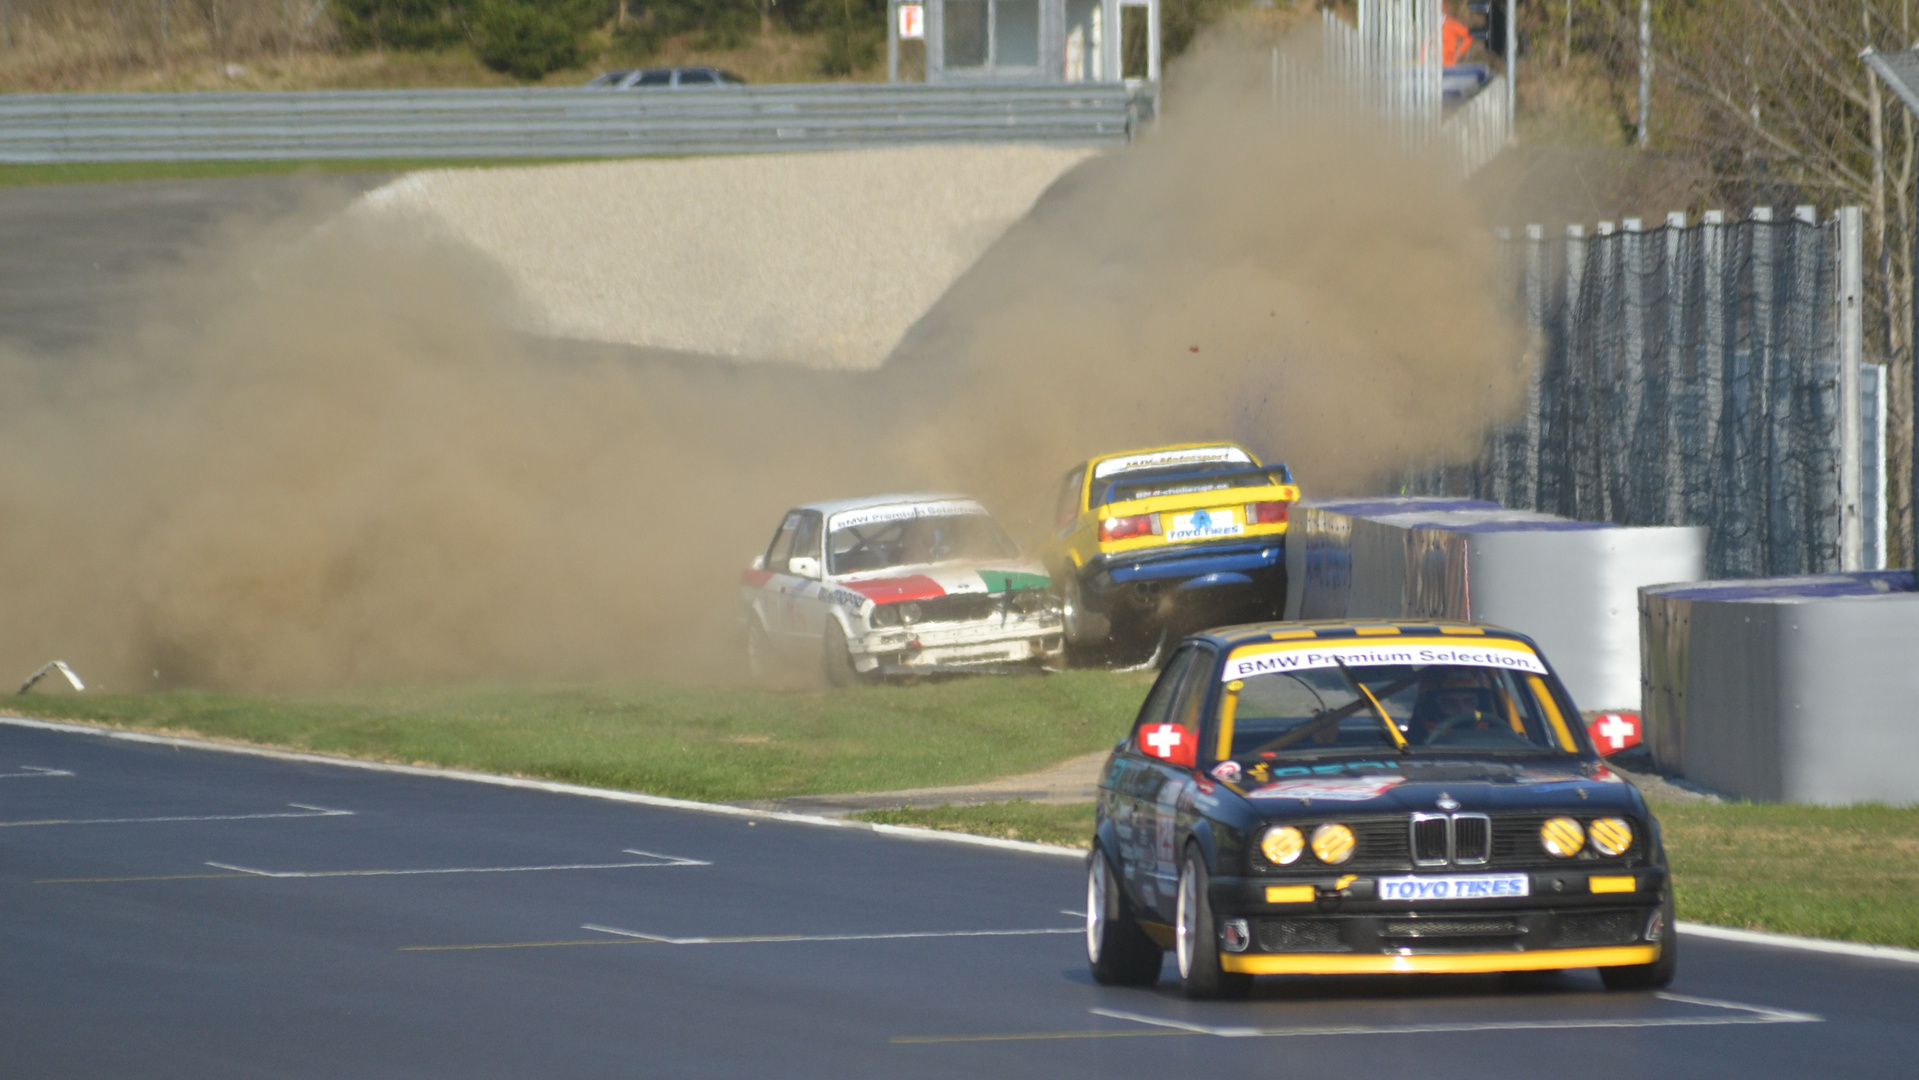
(1562, 836)
(1611, 835)
(1333, 843)
(1281, 845)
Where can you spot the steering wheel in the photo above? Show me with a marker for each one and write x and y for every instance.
(1447, 727)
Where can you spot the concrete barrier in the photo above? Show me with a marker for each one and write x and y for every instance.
(1571, 585)
(1786, 689)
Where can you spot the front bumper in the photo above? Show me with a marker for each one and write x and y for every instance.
(1340, 926)
(988, 646)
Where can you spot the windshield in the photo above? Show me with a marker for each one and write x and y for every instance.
(915, 540)
(1434, 708)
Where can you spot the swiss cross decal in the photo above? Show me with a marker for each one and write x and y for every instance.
(1169, 742)
(1614, 731)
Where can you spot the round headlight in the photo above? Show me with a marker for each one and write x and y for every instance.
(1562, 836)
(1611, 836)
(1333, 843)
(909, 613)
(886, 615)
(1281, 845)
(1027, 601)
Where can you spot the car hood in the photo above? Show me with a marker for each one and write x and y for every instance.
(956, 577)
(1419, 786)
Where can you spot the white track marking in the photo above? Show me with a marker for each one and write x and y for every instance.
(655, 861)
(772, 938)
(33, 770)
(1753, 1014)
(665, 860)
(1790, 941)
(1751, 937)
(609, 795)
(308, 812)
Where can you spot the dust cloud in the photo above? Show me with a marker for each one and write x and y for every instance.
(325, 460)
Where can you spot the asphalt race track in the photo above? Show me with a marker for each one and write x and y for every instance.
(176, 912)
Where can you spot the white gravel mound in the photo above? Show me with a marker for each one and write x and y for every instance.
(824, 259)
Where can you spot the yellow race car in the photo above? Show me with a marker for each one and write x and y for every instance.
(1153, 543)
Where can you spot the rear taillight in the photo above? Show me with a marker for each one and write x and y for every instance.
(1126, 528)
(1266, 513)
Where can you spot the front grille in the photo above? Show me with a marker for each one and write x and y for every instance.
(1429, 839)
(1297, 935)
(960, 607)
(1472, 839)
(1588, 928)
(1450, 928)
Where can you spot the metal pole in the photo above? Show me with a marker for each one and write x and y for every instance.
(1512, 57)
(893, 41)
(1645, 73)
(1852, 534)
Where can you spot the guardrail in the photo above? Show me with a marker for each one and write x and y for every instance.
(74, 128)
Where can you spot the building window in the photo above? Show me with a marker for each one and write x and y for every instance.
(991, 35)
(966, 33)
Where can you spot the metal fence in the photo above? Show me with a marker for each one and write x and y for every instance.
(67, 128)
(1693, 375)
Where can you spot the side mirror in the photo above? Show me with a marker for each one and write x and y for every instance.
(1615, 732)
(803, 566)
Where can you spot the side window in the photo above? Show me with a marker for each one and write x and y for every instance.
(806, 541)
(655, 78)
(696, 78)
(782, 545)
(1159, 700)
(1067, 512)
(1192, 691)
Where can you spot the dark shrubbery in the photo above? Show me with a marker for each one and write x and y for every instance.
(399, 24)
(528, 38)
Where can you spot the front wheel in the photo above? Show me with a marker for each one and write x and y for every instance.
(1658, 974)
(1197, 938)
(1119, 951)
(837, 658)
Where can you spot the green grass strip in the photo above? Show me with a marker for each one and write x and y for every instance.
(715, 743)
(1066, 824)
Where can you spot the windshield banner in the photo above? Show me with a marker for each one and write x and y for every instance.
(901, 511)
(1162, 459)
(1277, 660)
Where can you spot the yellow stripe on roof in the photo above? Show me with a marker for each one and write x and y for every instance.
(1376, 631)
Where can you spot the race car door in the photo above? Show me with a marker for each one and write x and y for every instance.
(1173, 745)
(805, 600)
(768, 598)
(1142, 775)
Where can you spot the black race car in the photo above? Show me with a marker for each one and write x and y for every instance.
(1354, 797)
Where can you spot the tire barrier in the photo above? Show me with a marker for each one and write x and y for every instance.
(1785, 689)
(1571, 585)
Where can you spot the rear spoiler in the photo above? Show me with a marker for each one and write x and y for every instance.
(1122, 490)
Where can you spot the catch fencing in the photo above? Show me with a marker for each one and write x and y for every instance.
(573, 122)
(1700, 374)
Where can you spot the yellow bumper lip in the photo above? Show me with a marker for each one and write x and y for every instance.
(1436, 963)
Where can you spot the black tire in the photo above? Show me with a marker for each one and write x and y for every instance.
(836, 661)
(1118, 951)
(1658, 974)
(1197, 950)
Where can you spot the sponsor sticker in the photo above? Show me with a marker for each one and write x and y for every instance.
(847, 519)
(1269, 660)
(1161, 459)
(1330, 788)
(1204, 525)
(1455, 887)
(1227, 771)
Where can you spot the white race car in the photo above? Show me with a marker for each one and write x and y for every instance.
(897, 585)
